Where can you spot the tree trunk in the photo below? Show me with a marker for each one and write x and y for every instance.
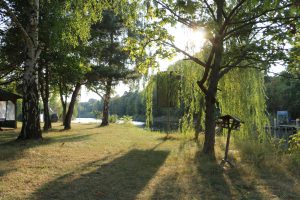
(31, 120)
(105, 117)
(210, 98)
(64, 112)
(63, 103)
(44, 90)
(67, 121)
(47, 117)
(209, 142)
(210, 104)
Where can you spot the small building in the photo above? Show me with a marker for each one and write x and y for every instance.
(8, 109)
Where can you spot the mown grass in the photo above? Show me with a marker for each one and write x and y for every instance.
(125, 162)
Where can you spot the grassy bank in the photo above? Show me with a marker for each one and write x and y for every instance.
(125, 162)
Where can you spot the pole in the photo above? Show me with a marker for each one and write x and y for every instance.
(225, 160)
(227, 144)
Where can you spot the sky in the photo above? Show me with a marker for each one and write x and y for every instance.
(185, 39)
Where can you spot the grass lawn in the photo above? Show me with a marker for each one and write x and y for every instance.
(125, 162)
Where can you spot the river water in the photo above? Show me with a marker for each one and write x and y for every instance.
(93, 120)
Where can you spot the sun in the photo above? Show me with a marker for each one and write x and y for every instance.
(191, 40)
(197, 37)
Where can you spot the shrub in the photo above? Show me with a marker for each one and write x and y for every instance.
(294, 143)
(113, 118)
(127, 119)
(98, 114)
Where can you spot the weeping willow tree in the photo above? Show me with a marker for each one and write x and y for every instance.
(162, 95)
(191, 99)
(184, 94)
(149, 102)
(241, 93)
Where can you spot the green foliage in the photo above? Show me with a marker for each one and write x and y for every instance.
(131, 103)
(283, 94)
(294, 143)
(113, 118)
(106, 48)
(90, 109)
(168, 88)
(127, 119)
(98, 114)
(149, 101)
(192, 99)
(54, 103)
(242, 94)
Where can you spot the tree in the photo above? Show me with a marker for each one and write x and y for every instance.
(241, 94)
(236, 38)
(68, 75)
(111, 60)
(283, 94)
(72, 22)
(31, 122)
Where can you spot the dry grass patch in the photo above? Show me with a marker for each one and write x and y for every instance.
(125, 162)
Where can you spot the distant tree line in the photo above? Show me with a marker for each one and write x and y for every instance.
(131, 104)
(283, 93)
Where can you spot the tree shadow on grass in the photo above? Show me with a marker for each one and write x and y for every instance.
(12, 149)
(223, 182)
(3, 172)
(123, 178)
(207, 180)
(280, 182)
(47, 140)
(274, 176)
(170, 188)
(212, 177)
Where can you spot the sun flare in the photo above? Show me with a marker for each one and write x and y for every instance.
(189, 39)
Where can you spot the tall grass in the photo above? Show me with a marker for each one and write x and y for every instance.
(272, 154)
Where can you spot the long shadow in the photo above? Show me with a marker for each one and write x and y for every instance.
(223, 183)
(243, 189)
(169, 188)
(280, 183)
(212, 177)
(123, 178)
(3, 172)
(278, 180)
(10, 149)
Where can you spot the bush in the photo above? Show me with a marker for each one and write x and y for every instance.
(113, 118)
(98, 114)
(294, 143)
(127, 119)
